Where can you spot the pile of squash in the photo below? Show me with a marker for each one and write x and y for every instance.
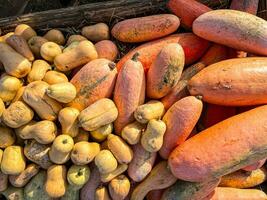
(181, 116)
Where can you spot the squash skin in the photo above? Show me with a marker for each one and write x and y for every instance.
(242, 179)
(236, 29)
(255, 165)
(165, 71)
(180, 120)
(196, 164)
(231, 82)
(96, 32)
(129, 92)
(96, 80)
(183, 190)
(35, 44)
(193, 46)
(107, 49)
(146, 28)
(25, 31)
(9, 85)
(56, 36)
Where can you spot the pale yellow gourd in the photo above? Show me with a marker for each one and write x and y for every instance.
(84, 152)
(61, 149)
(43, 132)
(54, 77)
(105, 162)
(152, 139)
(119, 187)
(132, 132)
(9, 85)
(98, 114)
(38, 71)
(62, 92)
(78, 175)
(118, 171)
(17, 114)
(13, 161)
(151, 110)
(50, 50)
(25, 31)
(68, 118)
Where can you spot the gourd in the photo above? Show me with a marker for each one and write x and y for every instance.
(107, 49)
(132, 132)
(56, 36)
(13, 160)
(100, 113)
(120, 149)
(50, 50)
(119, 187)
(68, 118)
(101, 193)
(25, 31)
(17, 114)
(102, 133)
(75, 38)
(152, 139)
(118, 171)
(38, 71)
(12, 193)
(56, 181)
(3, 181)
(84, 152)
(62, 92)
(7, 138)
(61, 149)
(105, 162)
(54, 77)
(46, 107)
(43, 132)
(77, 176)
(97, 32)
(151, 110)
(9, 86)
(35, 44)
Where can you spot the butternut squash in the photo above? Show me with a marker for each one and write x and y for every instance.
(9, 86)
(101, 193)
(75, 38)
(25, 31)
(105, 162)
(54, 77)
(118, 171)
(96, 32)
(35, 44)
(50, 50)
(132, 132)
(61, 149)
(119, 187)
(62, 92)
(55, 35)
(78, 176)
(102, 133)
(38, 71)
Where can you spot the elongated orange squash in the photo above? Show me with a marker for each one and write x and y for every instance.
(129, 92)
(242, 179)
(249, 6)
(146, 28)
(94, 81)
(180, 120)
(165, 71)
(214, 54)
(233, 82)
(224, 193)
(193, 46)
(236, 29)
(223, 148)
(187, 10)
(184, 190)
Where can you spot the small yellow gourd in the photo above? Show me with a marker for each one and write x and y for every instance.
(9, 86)
(13, 161)
(132, 132)
(78, 175)
(43, 132)
(38, 71)
(56, 181)
(119, 187)
(152, 139)
(68, 118)
(62, 92)
(54, 77)
(61, 149)
(84, 152)
(151, 110)
(102, 133)
(50, 50)
(98, 114)
(120, 149)
(17, 114)
(105, 162)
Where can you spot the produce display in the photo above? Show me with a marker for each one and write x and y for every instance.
(181, 116)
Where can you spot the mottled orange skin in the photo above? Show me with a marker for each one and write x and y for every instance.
(236, 29)
(165, 71)
(94, 81)
(180, 120)
(107, 49)
(187, 10)
(224, 193)
(214, 54)
(155, 194)
(255, 165)
(233, 82)
(146, 28)
(223, 148)
(129, 93)
(193, 46)
(242, 179)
